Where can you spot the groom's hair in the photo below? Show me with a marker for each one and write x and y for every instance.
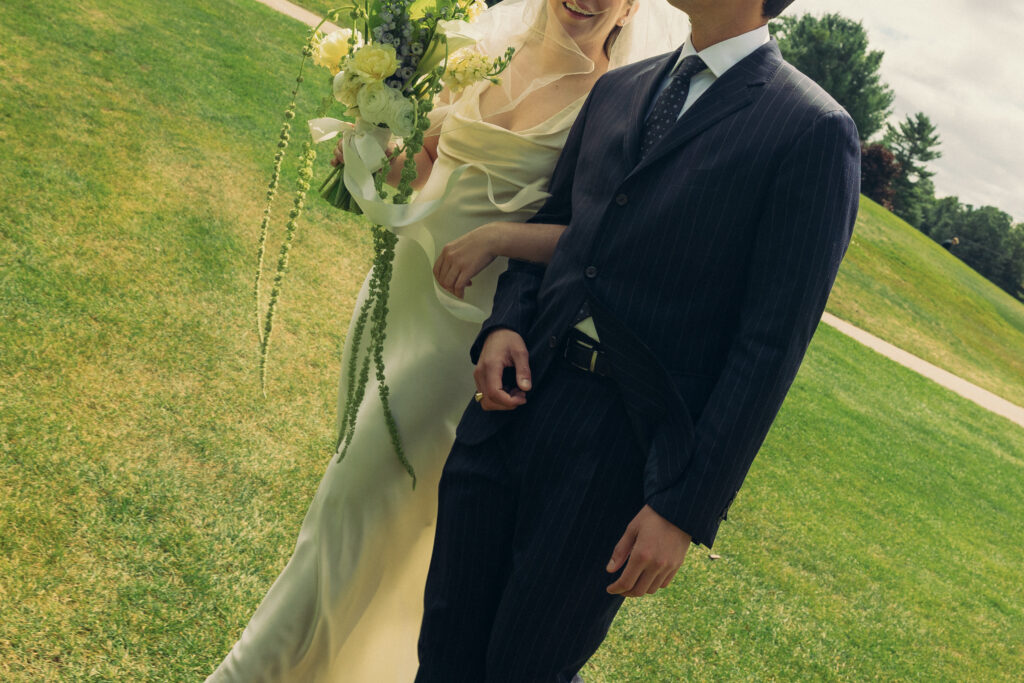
(773, 8)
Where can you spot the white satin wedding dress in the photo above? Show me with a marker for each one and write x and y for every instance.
(348, 605)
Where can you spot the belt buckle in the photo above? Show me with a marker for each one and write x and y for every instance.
(593, 354)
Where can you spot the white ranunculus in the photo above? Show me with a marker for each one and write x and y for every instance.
(346, 87)
(375, 101)
(401, 116)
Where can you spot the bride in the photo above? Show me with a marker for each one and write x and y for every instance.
(348, 605)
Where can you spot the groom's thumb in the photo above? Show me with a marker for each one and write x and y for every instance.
(521, 359)
(622, 550)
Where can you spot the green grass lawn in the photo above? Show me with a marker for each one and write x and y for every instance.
(878, 537)
(149, 496)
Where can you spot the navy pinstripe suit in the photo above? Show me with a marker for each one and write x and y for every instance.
(717, 252)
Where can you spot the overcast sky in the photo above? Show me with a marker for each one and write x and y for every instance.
(961, 62)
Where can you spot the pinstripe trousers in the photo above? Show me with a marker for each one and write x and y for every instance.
(527, 521)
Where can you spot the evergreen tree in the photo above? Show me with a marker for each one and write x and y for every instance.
(833, 50)
(914, 142)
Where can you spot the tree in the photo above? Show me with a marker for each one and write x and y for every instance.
(914, 142)
(984, 233)
(878, 171)
(942, 218)
(833, 50)
(1012, 276)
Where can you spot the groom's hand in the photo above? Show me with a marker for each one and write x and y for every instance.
(656, 549)
(502, 349)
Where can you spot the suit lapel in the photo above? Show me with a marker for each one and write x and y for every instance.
(731, 92)
(648, 82)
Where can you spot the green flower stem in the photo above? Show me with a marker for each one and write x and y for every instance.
(282, 147)
(305, 175)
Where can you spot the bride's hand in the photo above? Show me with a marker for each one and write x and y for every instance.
(462, 259)
(339, 154)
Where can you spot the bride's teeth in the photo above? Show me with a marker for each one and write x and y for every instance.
(573, 7)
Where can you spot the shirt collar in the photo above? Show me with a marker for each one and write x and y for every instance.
(722, 56)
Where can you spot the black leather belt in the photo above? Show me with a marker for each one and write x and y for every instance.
(585, 354)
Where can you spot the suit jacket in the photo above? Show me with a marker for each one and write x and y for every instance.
(718, 250)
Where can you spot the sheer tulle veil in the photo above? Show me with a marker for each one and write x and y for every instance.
(546, 53)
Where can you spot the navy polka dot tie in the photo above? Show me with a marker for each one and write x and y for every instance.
(670, 102)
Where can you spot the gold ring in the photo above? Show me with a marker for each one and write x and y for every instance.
(478, 396)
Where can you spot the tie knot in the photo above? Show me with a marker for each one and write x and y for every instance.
(689, 67)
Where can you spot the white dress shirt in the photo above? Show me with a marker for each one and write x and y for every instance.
(719, 58)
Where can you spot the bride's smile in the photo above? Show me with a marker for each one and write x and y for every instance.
(590, 22)
(576, 10)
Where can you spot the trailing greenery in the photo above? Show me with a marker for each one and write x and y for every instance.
(304, 176)
(374, 309)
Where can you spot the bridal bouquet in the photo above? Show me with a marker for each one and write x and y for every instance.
(389, 83)
(388, 61)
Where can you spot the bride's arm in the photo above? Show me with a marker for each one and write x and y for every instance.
(461, 259)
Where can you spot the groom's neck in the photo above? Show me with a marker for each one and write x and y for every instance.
(717, 24)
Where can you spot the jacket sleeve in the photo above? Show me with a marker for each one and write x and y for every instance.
(801, 238)
(515, 299)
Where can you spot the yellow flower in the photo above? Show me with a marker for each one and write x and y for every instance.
(474, 10)
(330, 50)
(373, 62)
(466, 68)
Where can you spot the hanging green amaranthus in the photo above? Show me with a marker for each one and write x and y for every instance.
(388, 81)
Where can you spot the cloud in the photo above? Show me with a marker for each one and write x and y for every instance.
(958, 61)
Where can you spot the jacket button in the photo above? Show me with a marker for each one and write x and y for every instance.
(553, 342)
(621, 200)
(590, 272)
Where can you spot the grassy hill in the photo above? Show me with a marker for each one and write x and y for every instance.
(903, 287)
(149, 496)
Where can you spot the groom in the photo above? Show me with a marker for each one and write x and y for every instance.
(710, 195)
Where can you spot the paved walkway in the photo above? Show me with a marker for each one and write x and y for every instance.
(296, 12)
(972, 392)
